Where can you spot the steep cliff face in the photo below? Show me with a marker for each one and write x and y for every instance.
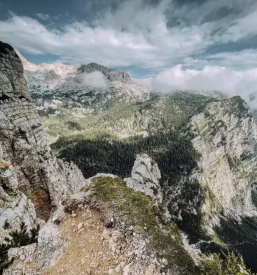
(32, 182)
(219, 193)
(23, 142)
(13, 84)
(225, 134)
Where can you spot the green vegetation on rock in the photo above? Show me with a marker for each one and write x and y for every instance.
(173, 152)
(147, 217)
(228, 265)
(17, 238)
(121, 117)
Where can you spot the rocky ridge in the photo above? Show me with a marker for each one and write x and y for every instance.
(58, 80)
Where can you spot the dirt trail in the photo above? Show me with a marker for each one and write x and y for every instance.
(90, 248)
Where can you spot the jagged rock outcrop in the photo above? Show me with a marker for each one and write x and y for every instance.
(145, 177)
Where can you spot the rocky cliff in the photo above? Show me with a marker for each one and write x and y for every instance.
(216, 200)
(225, 134)
(28, 171)
(23, 141)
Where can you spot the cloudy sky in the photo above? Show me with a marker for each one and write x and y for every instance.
(178, 39)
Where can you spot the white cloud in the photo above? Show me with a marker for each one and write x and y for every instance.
(136, 34)
(209, 79)
(239, 60)
(154, 46)
(43, 16)
(241, 28)
(95, 79)
(236, 60)
(153, 38)
(78, 43)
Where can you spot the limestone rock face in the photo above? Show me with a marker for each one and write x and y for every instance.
(32, 182)
(225, 134)
(222, 186)
(12, 82)
(145, 177)
(15, 207)
(23, 141)
(31, 259)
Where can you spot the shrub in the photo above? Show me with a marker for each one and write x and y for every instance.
(6, 225)
(17, 239)
(4, 261)
(227, 265)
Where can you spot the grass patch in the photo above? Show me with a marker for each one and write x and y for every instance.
(138, 210)
(226, 265)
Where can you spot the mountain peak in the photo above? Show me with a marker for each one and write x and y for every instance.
(66, 70)
(4, 47)
(111, 74)
(59, 68)
(11, 74)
